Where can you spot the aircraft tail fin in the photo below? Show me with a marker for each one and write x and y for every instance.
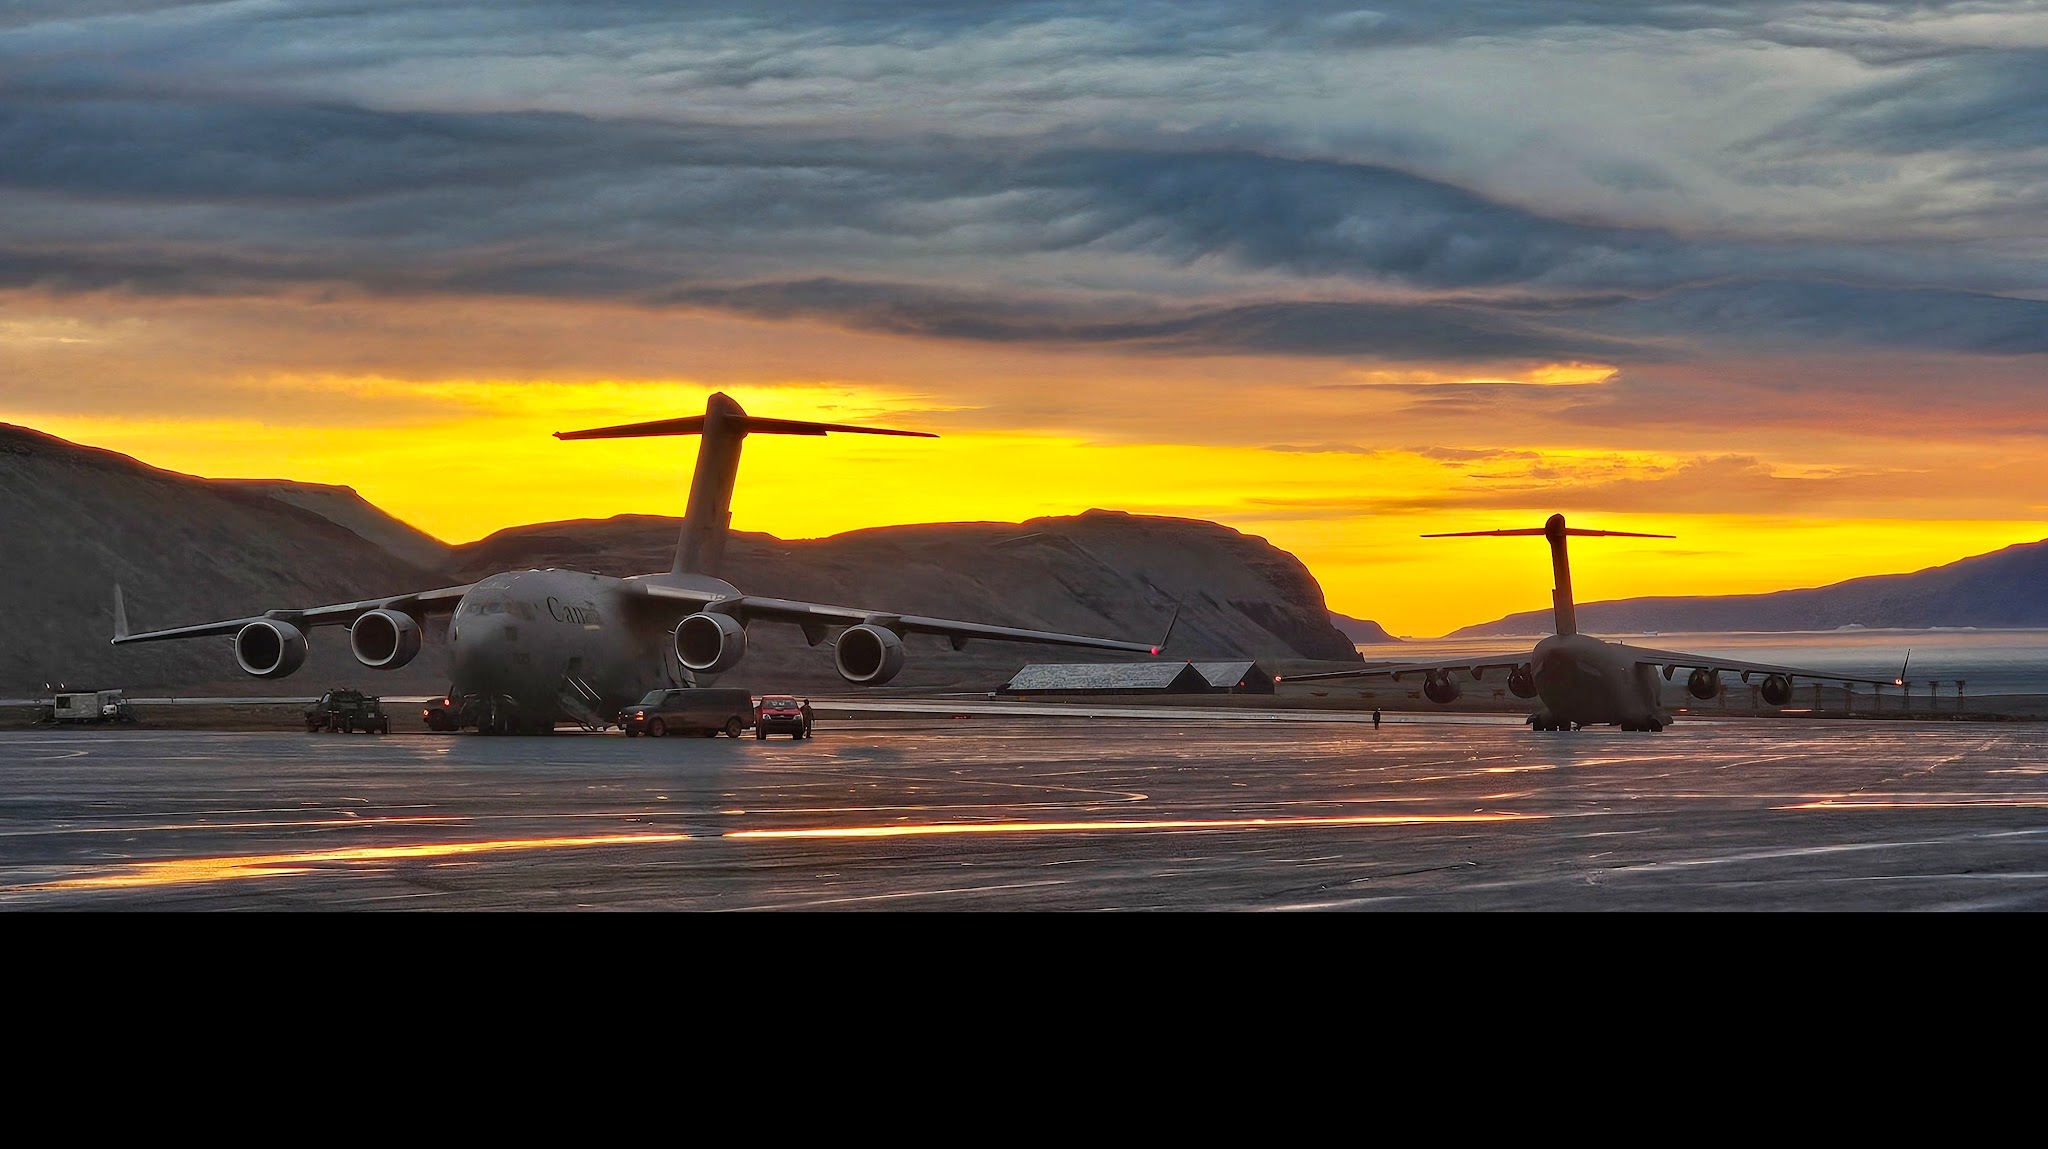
(1564, 612)
(722, 427)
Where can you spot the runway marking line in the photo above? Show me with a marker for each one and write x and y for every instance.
(188, 871)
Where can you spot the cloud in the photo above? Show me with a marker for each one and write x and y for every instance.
(1808, 314)
(1164, 180)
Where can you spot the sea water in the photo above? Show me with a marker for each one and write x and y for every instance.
(1967, 659)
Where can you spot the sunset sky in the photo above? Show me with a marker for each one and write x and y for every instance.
(1771, 277)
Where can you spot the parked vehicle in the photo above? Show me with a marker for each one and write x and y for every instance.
(705, 710)
(782, 714)
(446, 713)
(87, 706)
(347, 711)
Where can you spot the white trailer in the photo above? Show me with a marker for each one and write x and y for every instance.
(88, 706)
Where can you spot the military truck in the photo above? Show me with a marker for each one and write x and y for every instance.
(347, 711)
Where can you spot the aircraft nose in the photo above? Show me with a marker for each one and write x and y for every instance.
(479, 660)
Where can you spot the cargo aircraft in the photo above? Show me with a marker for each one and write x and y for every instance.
(531, 648)
(1580, 680)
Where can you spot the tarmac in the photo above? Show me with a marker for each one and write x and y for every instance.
(968, 806)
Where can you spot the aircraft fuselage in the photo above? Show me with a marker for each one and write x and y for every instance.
(518, 639)
(1585, 681)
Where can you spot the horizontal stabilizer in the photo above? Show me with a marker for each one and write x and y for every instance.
(744, 424)
(1546, 530)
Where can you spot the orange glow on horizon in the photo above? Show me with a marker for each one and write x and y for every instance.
(450, 405)
(483, 458)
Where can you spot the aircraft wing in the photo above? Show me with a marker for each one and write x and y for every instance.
(337, 614)
(815, 618)
(1673, 660)
(1476, 667)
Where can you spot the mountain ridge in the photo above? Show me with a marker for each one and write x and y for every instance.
(2006, 588)
(188, 550)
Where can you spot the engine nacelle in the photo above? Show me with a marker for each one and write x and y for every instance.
(867, 655)
(1703, 683)
(709, 643)
(268, 648)
(384, 639)
(1522, 682)
(1777, 690)
(1439, 686)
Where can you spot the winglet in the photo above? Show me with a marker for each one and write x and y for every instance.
(120, 615)
(1161, 644)
(1901, 679)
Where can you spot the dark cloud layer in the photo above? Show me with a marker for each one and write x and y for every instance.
(130, 159)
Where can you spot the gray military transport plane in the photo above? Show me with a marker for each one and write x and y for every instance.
(1581, 680)
(531, 648)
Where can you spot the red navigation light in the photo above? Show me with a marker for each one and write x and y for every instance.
(1155, 652)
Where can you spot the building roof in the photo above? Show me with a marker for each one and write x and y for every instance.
(1226, 675)
(1178, 677)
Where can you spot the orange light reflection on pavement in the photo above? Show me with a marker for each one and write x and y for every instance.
(1928, 804)
(931, 829)
(187, 871)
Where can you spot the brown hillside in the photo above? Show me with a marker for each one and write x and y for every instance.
(1103, 573)
(78, 520)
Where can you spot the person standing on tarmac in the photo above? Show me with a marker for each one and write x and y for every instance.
(807, 717)
(1375, 718)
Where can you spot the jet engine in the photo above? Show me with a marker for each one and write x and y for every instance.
(384, 639)
(1777, 690)
(1522, 682)
(867, 655)
(268, 648)
(709, 643)
(1703, 683)
(1439, 686)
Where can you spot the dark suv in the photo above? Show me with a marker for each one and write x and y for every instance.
(706, 710)
(782, 714)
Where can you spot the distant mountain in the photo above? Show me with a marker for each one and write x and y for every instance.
(2007, 588)
(1360, 630)
(78, 520)
(341, 505)
(1101, 572)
